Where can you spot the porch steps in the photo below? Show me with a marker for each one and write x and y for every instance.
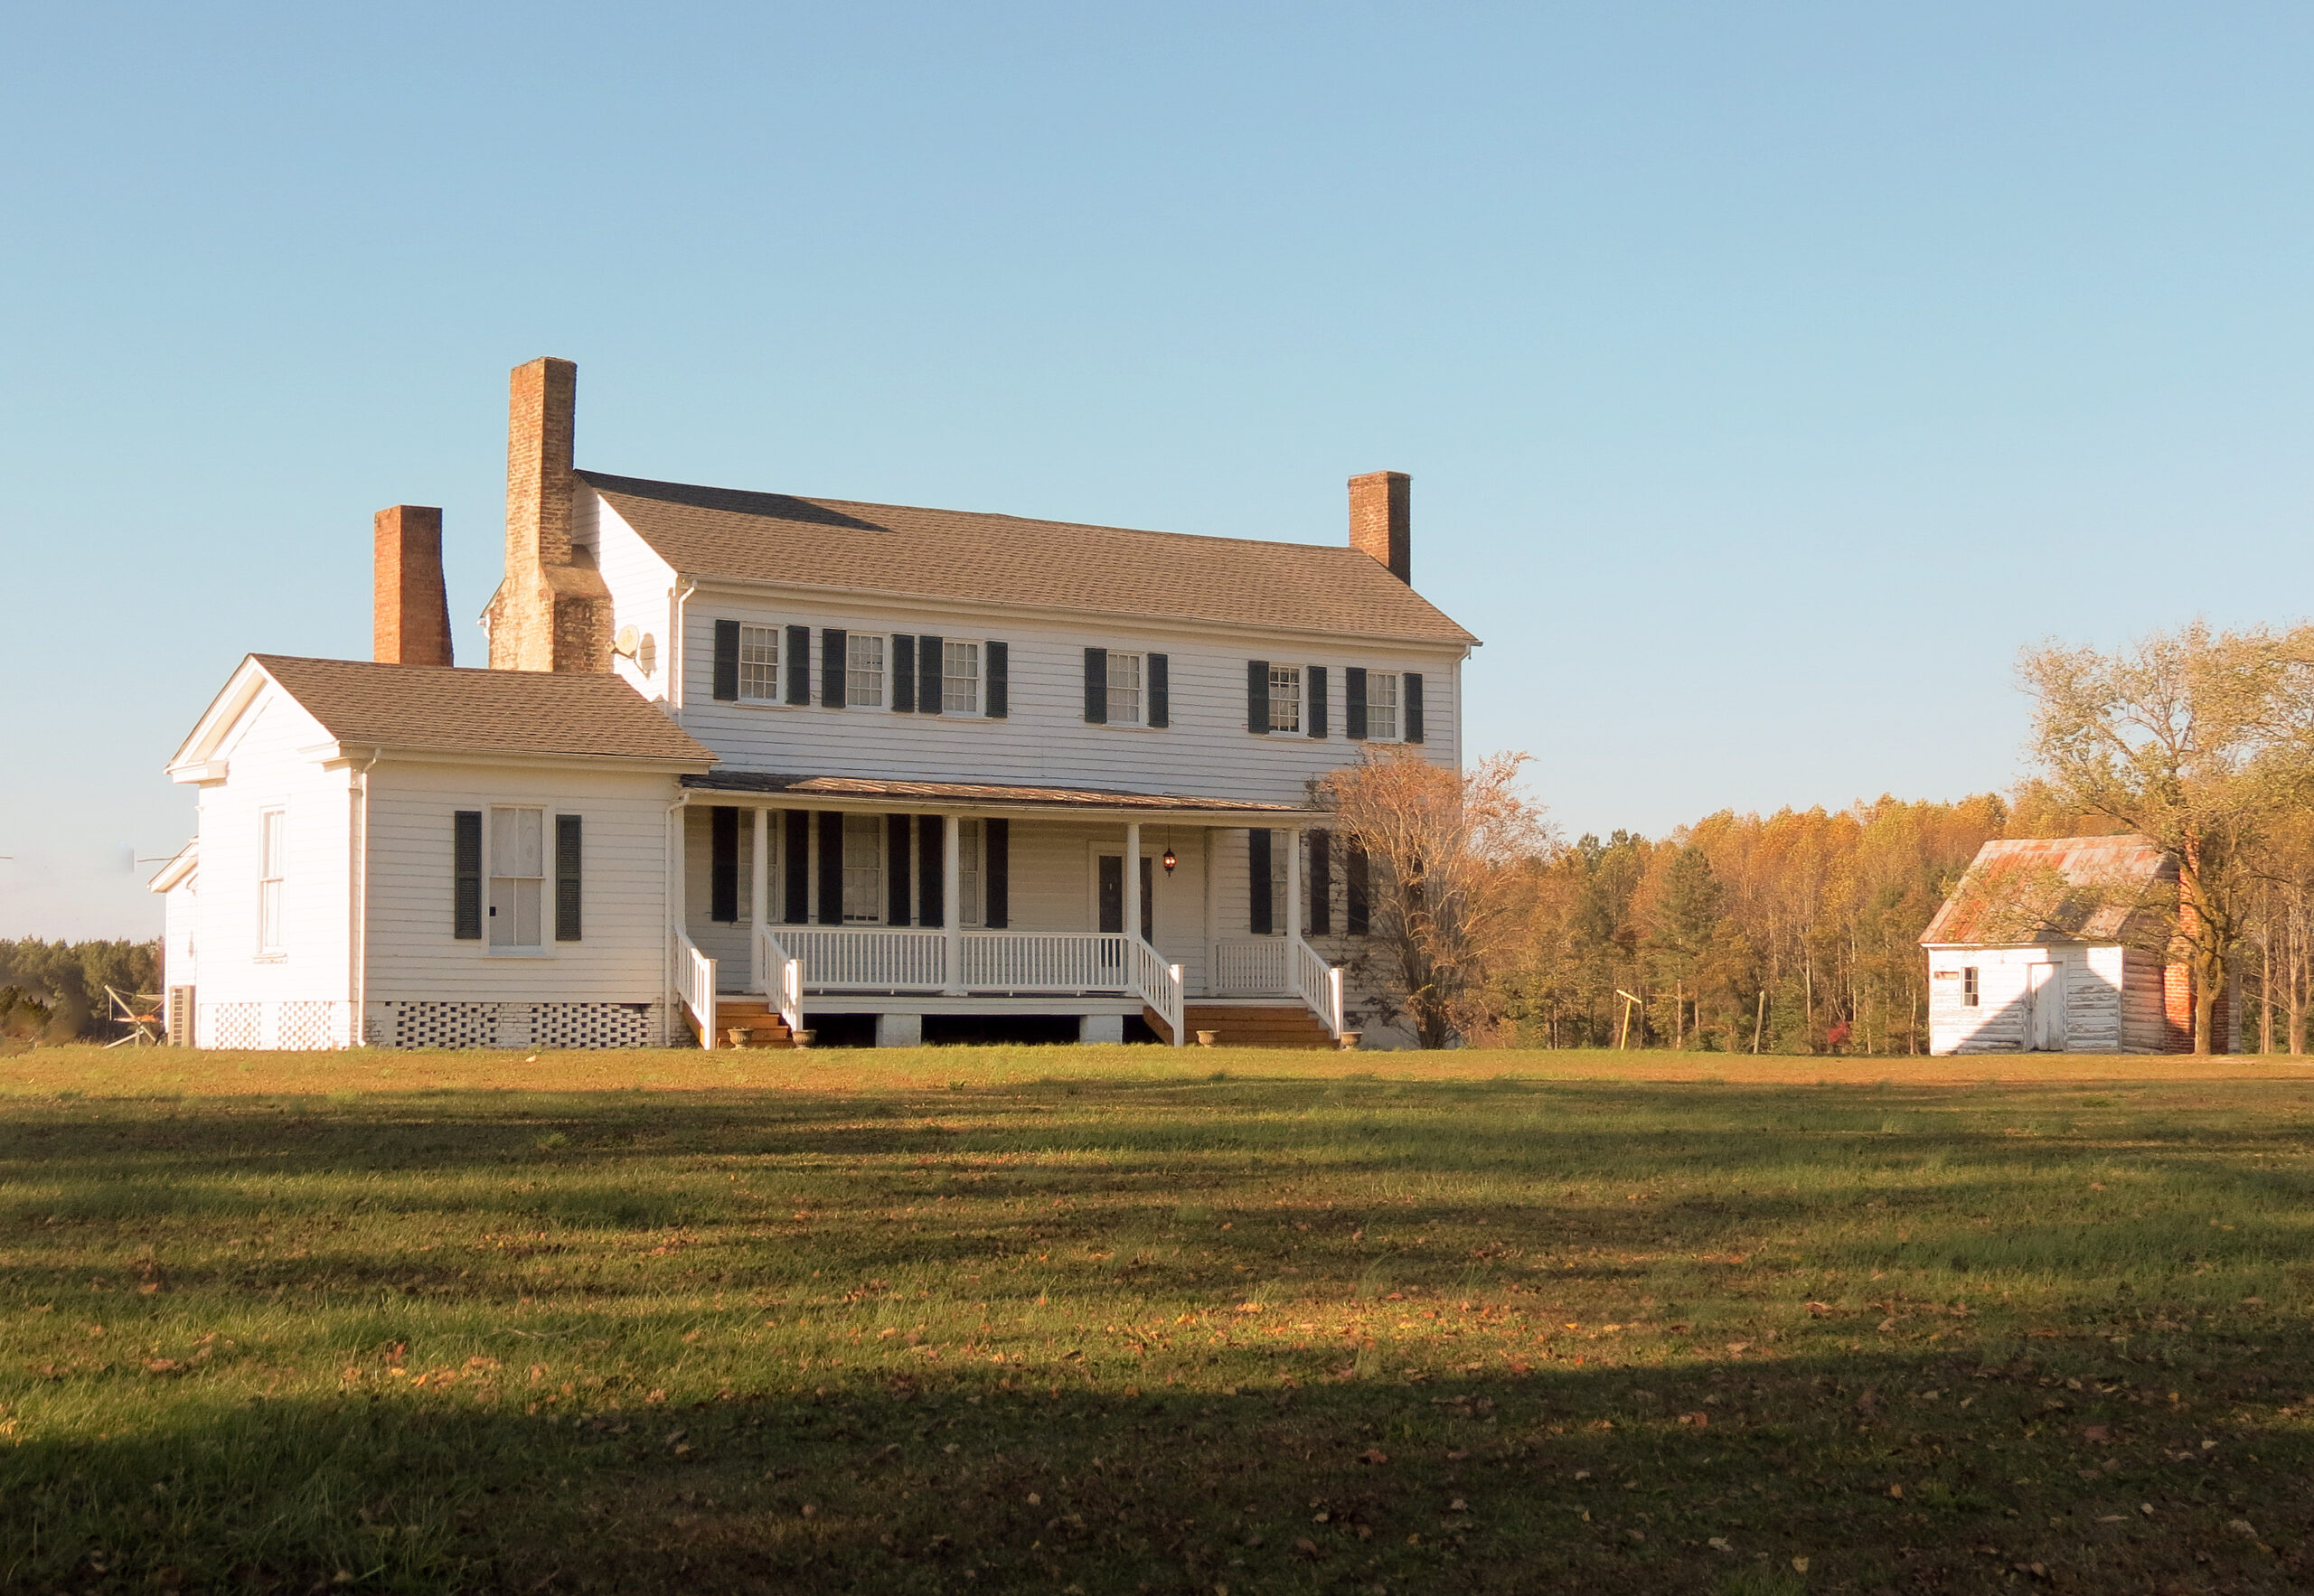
(1241, 1025)
(762, 1024)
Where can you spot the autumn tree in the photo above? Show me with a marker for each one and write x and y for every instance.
(1448, 851)
(2196, 740)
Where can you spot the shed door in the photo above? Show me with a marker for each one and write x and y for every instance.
(2045, 1007)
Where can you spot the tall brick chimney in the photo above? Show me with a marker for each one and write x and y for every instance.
(1381, 519)
(552, 611)
(410, 610)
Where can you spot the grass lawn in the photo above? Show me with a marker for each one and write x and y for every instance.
(1127, 1319)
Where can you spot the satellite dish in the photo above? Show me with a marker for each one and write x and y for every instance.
(624, 644)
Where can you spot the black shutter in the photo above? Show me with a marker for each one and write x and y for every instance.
(1315, 675)
(799, 664)
(1257, 696)
(831, 868)
(1353, 703)
(1410, 693)
(931, 657)
(465, 875)
(999, 697)
(833, 643)
(896, 882)
(724, 866)
(1360, 891)
(903, 672)
(996, 872)
(1259, 914)
(799, 865)
(727, 659)
(1160, 691)
(1096, 687)
(566, 878)
(1322, 883)
(932, 852)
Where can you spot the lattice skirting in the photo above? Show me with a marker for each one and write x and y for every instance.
(517, 1024)
(295, 1025)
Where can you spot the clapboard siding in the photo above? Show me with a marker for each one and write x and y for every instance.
(413, 954)
(2092, 1000)
(2143, 1029)
(643, 590)
(2112, 998)
(266, 770)
(1206, 750)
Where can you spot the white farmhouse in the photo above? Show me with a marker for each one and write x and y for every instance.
(747, 763)
(2054, 945)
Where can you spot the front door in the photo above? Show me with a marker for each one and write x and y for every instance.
(2045, 1007)
(1109, 893)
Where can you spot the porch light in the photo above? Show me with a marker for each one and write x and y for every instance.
(1169, 860)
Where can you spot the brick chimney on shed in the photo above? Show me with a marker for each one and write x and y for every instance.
(552, 611)
(1381, 519)
(409, 612)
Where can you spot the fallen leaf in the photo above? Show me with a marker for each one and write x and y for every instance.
(1697, 1419)
(1373, 1454)
(1800, 1565)
(1719, 1543)
(2096, 1432)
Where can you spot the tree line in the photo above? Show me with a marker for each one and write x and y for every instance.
(55, 992)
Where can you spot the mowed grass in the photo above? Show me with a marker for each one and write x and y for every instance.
(1127, 1319)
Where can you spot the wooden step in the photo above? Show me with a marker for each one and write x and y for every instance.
(764, 1028)
(1268, 1026)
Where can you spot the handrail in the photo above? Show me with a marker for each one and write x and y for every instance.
(1156, 983)
(782, 979)
(1318, 984)
(695, 983)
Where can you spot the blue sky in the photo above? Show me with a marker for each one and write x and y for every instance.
(1768, 374)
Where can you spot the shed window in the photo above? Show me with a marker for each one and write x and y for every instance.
(758, 664)
(1969, 985)
(517, 877)
(273, 861)
(1285, 697)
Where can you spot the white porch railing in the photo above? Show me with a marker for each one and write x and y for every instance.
(845, 959)
(1318, 984)
(694, 982)
(1252, 967)
(780, 978)
(1157, 984)
(1044, 961)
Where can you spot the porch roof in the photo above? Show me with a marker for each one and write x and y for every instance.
(985, 795)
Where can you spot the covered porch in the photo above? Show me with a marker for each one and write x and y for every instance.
(920, 902)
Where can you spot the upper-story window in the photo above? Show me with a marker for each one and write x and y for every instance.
(1285, 697)
(273, 862)
(863, 672)
(1382, 706)
(1127, 702)
(960, 678)
(758, 664)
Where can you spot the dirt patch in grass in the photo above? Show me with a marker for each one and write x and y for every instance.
(975, 1319)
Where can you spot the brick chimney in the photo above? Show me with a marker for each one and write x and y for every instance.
(552, 611)
(410, 610)
(1381, 519)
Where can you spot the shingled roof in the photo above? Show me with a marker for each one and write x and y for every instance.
(446, 709)
(898, 549)
(2021, 891)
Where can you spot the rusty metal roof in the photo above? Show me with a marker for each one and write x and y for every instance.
(2027, 890)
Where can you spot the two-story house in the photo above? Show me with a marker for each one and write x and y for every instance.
(744, 763)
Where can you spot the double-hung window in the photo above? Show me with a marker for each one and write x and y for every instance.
(1128, 704)
(517, 879)
(863, 672)
(972, 873)
(758, 664)
(1285, 697)
(273, 860)
(863, 869)
(960, 679)
(1382, 706)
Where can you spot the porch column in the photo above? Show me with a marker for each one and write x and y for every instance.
(1132, 877)
(1212, 918)
(1292, 887)
(759, 900)
(952, 903)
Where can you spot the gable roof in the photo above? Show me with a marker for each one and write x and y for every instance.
(897, 549)
(452, 709)
(2020, 891)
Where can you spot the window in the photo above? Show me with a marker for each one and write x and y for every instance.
(1124, 690)
(1285, 697)
(758, 664)
(863, 674)
(863, 868)
(1382, 706)
(960, 679)
(273, 859)
(517, 877)
(971, 878)
(1969, 985)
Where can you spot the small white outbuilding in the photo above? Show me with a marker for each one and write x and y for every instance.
(2056, 946)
